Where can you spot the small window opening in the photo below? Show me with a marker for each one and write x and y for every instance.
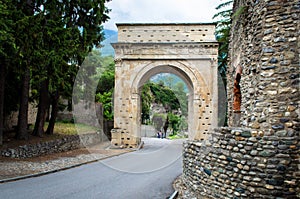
(237, 95)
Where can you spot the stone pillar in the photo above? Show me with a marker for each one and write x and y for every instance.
(126, 128)
(214, 94)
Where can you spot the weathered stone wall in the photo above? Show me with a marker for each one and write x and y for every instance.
(54, 146)
(243, 163)
(265, 44)
(260, 159)
(86, 113)
(12, 119)
(157, 33)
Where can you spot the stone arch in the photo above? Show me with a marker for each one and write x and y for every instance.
(150, 69)
(194, 82)
(138, 58)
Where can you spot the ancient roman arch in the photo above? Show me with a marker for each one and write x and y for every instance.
(187, 50)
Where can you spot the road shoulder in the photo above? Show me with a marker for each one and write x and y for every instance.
(15, 169)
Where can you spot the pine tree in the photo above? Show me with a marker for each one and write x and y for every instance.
(222, 35)
(7, 50)
(51, 39)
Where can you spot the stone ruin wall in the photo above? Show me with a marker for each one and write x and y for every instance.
(63, 144)
(260, 159)
(11, 120)
(265, 44)
(243, 163)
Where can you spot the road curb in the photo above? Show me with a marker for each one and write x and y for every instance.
(141, 145)
(56, 170)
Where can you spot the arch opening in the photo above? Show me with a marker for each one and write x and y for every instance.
(177, 70)
(164, 106)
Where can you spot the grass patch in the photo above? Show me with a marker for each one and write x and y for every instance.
(72, 129)
(61, 129)
(173, 137)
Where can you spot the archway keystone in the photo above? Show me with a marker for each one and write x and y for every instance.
(189, 51)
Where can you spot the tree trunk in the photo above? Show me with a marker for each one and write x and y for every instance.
(48, 111)
(42, 108)
(54, 112)
(2, 88)
(22, 133)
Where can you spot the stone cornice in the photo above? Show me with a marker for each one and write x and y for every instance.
(190, 50)
(164, 44)
(164, 24)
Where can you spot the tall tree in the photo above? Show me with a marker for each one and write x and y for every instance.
(222, 35)
(42, 108)
(27, 35)
(53, 70)
(84, 18)
(7, 49)
(52, 38)
(224, 20)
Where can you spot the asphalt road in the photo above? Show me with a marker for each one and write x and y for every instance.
(144, 174)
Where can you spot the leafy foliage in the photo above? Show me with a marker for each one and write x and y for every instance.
(177, 85)
(7, 40)
(106, 83)
(179, 90)
(8, 52)
(107, 79)
(45, 41)
(105, 99)
(222, 35)
(160, 94)
(147, 99)
(174, 121)
(165, 96)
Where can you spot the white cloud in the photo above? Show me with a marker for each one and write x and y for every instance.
(160, 11)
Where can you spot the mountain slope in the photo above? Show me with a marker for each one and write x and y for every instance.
(111, 36)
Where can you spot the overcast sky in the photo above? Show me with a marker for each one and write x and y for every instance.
(160, 11)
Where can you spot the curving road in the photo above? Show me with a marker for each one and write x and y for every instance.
(147, 173)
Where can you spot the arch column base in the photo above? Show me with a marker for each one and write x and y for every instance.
(123, 140)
